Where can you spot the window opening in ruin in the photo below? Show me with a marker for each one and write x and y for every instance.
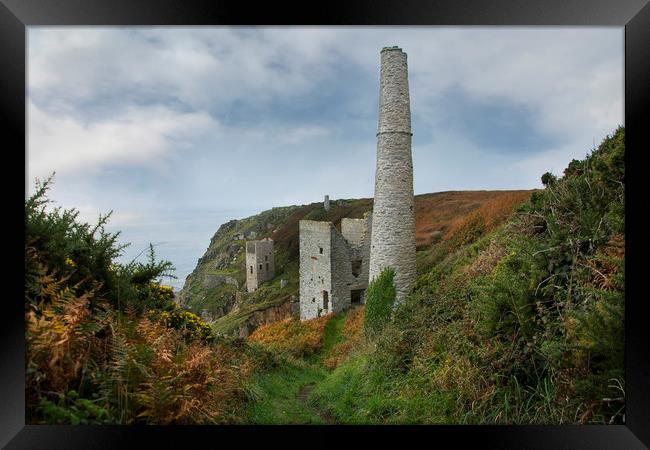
(321, 250)
(251, 269)
(313, 300)
(267, 266)
(356, 267)
(355, 296)
(260, 267)
(325, 300)
(266, 257)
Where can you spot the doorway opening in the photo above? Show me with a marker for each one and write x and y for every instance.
(356, 296)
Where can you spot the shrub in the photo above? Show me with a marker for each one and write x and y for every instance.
(83, 256)
(380, 297)
(70, 409)
(94, 357)
(189, 324)
(548, 178)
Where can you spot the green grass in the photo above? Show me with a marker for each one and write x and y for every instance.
(342, 392)
(331, 336)
(275, 395)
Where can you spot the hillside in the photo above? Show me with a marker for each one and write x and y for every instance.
(216, 288)
(518, 322)
(517, 317)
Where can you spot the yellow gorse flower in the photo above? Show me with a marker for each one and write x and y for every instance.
(69, 262)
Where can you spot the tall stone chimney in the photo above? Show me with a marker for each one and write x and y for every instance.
(393, 216)
(326, 203)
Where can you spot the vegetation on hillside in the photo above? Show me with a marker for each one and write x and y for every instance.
(517, 317)
(217, 284)
(522, 324)
(380, 297)
(105, 341)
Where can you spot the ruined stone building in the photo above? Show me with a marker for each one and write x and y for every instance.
(393, 216)
(260, 264)
(333, 265)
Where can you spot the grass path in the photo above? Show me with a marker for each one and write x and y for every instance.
(278, 395)
(282, 396)
(303, 396)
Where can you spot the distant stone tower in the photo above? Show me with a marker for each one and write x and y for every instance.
(393, 216)
(260, 264)
(326, 203)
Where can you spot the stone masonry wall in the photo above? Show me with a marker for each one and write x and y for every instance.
(353, 230)
(363, 253)
(393, 217)
(315, 267)
(341, 272)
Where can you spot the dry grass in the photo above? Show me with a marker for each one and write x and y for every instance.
(448, 211)
(485, 261)
(490, 213)
(292, 336)
(605, 265)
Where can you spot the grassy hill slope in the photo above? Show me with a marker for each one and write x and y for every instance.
(520, 322)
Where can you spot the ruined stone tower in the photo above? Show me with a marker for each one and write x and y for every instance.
(393, 217)
(260, 264)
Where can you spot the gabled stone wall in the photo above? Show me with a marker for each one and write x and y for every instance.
(341, 272)
(357, 234)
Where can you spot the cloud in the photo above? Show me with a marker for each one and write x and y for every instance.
(568, 80)
(149, 121)
(206, 68)
(138, 135)
(301, 134)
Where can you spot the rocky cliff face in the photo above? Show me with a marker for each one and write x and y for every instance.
(286, 309)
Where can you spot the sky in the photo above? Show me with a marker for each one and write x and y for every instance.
(180, 129)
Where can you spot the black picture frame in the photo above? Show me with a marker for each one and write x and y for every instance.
(634, 15)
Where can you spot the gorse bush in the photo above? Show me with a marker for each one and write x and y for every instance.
(84, 255)
(94, 356)
(191, 326)
(380, 297)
